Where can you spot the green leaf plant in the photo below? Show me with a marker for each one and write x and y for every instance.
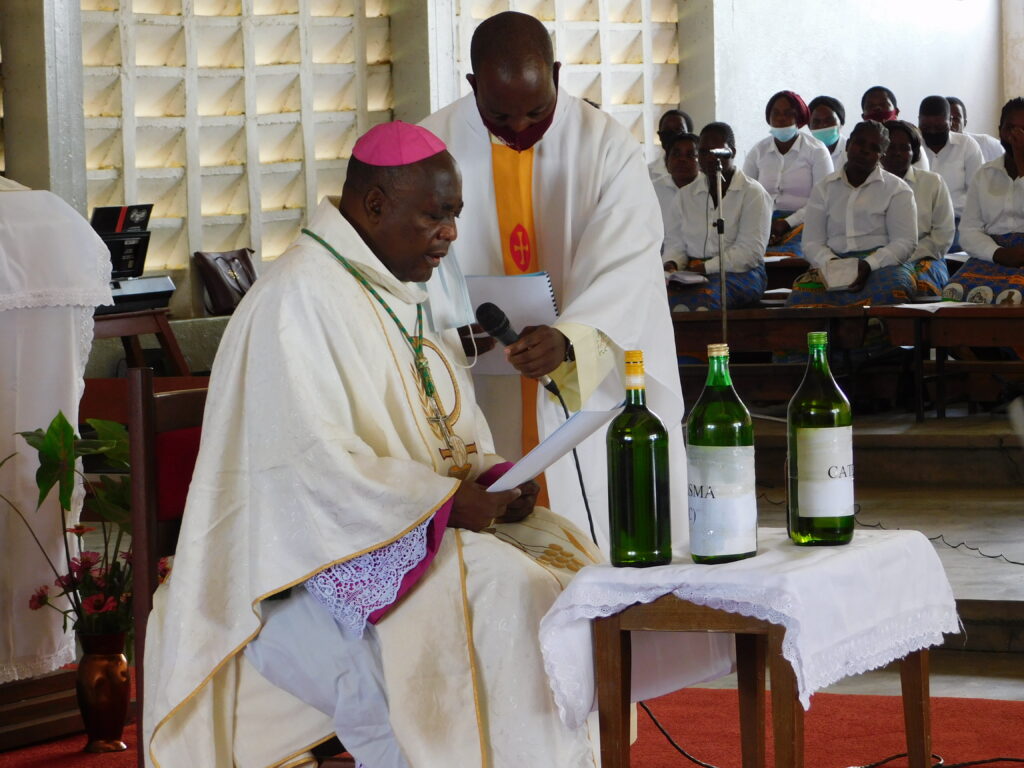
(97, 584)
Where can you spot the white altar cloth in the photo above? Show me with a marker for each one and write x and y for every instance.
(54, 270)
(846, 610)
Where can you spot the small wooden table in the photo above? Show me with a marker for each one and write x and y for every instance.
(129, 325)
(813, 614)
(756, 641)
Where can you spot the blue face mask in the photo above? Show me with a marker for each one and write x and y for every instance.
(784, 134)
(827, 136)
(449, 305)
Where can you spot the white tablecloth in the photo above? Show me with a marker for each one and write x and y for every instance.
(846, 610)
(53, 271)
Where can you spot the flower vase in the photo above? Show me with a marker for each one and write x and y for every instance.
(103, 686)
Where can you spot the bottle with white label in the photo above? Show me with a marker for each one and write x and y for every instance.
(720, 469)
(820, 455)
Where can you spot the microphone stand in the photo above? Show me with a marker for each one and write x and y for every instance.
(720, 228)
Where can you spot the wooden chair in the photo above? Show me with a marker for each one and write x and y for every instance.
(164, 430)
(156, 422)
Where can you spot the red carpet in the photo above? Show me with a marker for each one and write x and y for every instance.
(840, 731)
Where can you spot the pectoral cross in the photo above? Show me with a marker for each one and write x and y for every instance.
(456, 448)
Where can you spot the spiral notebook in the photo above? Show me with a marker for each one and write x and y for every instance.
(526, 299)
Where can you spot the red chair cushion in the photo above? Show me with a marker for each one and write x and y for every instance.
(176, 452)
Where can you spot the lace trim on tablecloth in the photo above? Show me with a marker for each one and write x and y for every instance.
(354, 589)
(83, 297)
(39, 665)
(873, 648)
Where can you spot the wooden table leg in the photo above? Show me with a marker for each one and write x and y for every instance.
(916, 708)
(750, 661)
(169, 344)
(940, 382)
(787, 713)
(613, 677)
(919, 370)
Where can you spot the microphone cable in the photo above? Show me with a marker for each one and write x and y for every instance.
(579, 472)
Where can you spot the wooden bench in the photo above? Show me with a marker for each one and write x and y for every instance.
(763, 331)
(950, 327)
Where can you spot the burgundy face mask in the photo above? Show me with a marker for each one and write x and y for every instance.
(520, 141)
(882, 116)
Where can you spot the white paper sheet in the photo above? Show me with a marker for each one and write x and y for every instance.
(687, 278)
(935, 306)
(577, 429)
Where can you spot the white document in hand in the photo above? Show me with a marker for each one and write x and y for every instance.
(687, 278)
(839, 274)
(577, 429)
(525, 299)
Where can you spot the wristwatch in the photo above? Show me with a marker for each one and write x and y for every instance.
(570, 353)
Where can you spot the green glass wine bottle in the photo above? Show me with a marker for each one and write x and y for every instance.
(720, 469)
(638, 480)
(820, 455)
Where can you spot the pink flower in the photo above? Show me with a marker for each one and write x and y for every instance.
(99, 604)
(163, 570)
(39, 598)
(79, 530)
(126, 556)
(84, 564)
(67, 582)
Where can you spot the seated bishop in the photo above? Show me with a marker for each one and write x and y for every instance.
(341, 567)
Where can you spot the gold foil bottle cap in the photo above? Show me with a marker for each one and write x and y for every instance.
(634, 356)
(718, 350)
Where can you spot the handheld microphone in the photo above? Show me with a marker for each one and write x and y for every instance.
(495, 323)
(722, 152)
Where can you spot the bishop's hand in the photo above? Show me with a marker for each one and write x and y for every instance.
(474, 509)
(475, 341)
(521, 508)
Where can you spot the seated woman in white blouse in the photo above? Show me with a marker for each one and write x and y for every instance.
(828, 116)
(680, 164)
(992, 229)
(693, 243)
(935, 226)
(861, 229)
(787, 164)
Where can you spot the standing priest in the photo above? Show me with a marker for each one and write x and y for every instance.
(553, 184)
(340, 565)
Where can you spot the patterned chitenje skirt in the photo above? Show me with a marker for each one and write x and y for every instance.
(888, 285)
(742, 289)
(931, 276)
(977, 272)
(792, 242)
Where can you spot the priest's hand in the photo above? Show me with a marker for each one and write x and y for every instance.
(521, 508)
(475, 341)
(863, 271)
(474, 509)
(538, 352)
(696, 265)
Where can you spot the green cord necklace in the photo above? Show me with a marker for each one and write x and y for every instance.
(415, 342)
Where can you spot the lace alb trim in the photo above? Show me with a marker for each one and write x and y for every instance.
(352, 590)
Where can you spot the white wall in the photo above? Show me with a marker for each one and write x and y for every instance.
(840, 48)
